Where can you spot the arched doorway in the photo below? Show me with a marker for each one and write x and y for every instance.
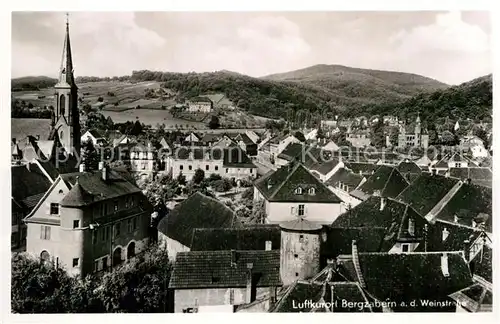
(44, 257)
(131, 250)
(117, 256)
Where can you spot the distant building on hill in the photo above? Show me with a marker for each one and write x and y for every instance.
(200, 104)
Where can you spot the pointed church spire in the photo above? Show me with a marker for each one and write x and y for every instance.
(66, 70)
(418, 117)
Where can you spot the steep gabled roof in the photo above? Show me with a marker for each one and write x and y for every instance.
(408, 167)
(281, 185)
(339, 240)
(387, 181)
(251, 237)
(29, 184)
(93, 188)
(346, 177)
(224, 269)
(362, 168)
(426, 191)
(236, 157)
(479, 176)
(410, 277)
(467, 203)
(198, 211)
(393, 217)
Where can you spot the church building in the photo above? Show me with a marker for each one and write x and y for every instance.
(413, 137)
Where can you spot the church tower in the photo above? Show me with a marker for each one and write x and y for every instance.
(418, 127)
(66, 114)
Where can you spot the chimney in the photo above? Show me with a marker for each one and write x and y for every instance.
(444, 265)
(269, 245)
(233, 258)
(104, 173)
(446, 233)
(383, 201)
(101, 165)
(360, 172)
(466, 247)
(272, 296)
(28, 166)
(82, 167)
(426, 228)
(250, 288)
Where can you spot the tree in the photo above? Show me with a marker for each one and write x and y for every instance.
(481, 134)
(377, 134)
(137, 129)
(90, 156)
(214, 122)
(181, 179)
(222, 185)
(139, 286)
(433, 135)
(448, 138)
(394, 136)
(199, 176)
(258, 212)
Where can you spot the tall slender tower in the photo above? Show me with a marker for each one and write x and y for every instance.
(67, 117)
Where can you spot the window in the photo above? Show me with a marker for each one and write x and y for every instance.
(298, 191)
(405, 247)
(115, 205)
(181, 167)
(134, 223)
(301, 210)
(216, 168)
(411, 226)
(312, 191)
(107, 234)
(301, 238)
(117, 230)
(190, 167)
(295, 256)
(54, 209)
(129, 225)
(105, 263)
(296, 274)
(45, 232)
(75, 262)
(61, 191)
(127, 202)
(207, 167)
(227, 170)
(96, 265)
(103, 209)
(251, 170)
(76, 224)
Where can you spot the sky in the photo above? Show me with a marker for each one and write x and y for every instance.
(452, 47)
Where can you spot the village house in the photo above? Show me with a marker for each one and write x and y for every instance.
(386, 181)
(143, 159)
(230, 162)
(94, 136)
(175, 231)
(29, 184)
(278, 144)
(246, 144)
(88, 222)
(391, 120)
(200, 104)
(222, 278)
(359, 138)
(342, 183)
(292, 191)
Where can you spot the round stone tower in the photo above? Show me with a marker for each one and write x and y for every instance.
(300, 247)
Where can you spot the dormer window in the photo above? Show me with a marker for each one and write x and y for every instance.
(312, 191)
(298, 191)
